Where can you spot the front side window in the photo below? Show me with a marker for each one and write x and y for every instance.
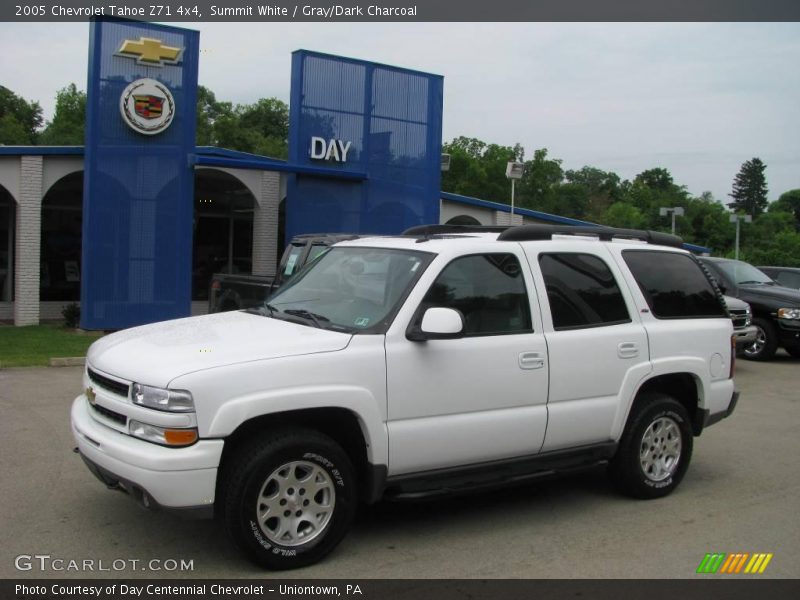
(582, 291)
(488, 289)
(349, 289)
(674, 285)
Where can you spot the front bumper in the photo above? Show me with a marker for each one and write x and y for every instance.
(175, 479)
(745, 336)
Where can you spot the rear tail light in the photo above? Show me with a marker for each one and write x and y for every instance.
(216, 285)
(733, 356)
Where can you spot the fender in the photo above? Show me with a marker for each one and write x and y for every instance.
(640, 375)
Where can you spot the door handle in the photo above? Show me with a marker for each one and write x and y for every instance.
(628, 350)
(531, 360)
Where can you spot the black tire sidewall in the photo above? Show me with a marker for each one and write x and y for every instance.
(627, 468)
(242, 500)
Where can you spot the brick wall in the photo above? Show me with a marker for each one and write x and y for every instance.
(265, 225)
(29, 231)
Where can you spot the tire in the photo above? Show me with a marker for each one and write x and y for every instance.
(794, 351)
(655, 449)
(766, 343)
(290, 498)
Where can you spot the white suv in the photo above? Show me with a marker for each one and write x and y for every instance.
(442, 360)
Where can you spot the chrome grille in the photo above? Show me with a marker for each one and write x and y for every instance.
(739, 317)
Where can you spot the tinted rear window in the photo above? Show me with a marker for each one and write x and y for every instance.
(674, 285)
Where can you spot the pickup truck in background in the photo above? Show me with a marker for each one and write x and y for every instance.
(235, 292)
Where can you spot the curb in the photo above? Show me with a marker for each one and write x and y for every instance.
(68, 361)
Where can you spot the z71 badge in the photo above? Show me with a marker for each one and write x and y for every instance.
(147, 106)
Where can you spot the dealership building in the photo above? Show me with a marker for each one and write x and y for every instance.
(133, 224)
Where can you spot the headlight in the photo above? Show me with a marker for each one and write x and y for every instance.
(162, 435)
(161, 399)
(789, 313)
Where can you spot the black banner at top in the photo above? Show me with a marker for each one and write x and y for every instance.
(401, 10)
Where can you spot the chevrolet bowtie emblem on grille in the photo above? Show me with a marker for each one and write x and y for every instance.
(150, 52)
(90, 395)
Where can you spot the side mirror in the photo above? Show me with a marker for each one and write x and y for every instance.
(438, 323)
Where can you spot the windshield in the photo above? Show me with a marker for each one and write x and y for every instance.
(350, 289)
(742, 273)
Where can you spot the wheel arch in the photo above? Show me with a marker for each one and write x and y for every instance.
(685, 387)
(340, 424)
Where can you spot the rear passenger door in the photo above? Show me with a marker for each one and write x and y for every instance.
(596, 342)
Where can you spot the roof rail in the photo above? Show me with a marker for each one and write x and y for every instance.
(523, 233)
(425, 230)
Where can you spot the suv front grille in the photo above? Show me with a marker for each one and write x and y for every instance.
(115, 387)
(739, 318)
(110, 414)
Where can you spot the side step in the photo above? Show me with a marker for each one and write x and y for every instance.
(495, 474)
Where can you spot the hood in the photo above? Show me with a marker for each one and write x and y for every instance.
(158, 353)
(773, 292)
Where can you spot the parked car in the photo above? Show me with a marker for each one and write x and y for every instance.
(746, 333)
(410, 367)
(786, 276)
(235, 291)
(776, 309)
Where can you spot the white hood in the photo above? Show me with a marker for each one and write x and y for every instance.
(158, 353)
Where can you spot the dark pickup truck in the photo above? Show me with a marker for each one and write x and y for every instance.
(235, 292)
(776, 309)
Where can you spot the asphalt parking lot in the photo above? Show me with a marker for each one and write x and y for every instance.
(740, 495)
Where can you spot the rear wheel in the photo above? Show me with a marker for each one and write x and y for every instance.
(655, 448)
(766, 343)
(290, 498)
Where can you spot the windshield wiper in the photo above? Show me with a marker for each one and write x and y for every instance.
(265, 310)
(752, 282)
(315, 318)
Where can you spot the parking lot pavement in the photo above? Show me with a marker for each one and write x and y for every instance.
(740, 495)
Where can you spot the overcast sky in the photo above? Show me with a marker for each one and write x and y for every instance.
(697, 99)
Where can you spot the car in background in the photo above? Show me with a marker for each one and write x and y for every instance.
(742, 316)
(776, 309)
(785, 276)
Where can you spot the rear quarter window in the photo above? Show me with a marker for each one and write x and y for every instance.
(674, 285)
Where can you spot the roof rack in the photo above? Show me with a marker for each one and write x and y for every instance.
(523, 233)
(426, 230)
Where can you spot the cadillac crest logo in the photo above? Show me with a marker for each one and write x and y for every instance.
(147, 106)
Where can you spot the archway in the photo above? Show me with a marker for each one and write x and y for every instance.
(8, 221)
(463, 220)
(62, 225)
(223, 228)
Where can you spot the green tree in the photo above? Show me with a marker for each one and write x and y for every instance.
(788, 202)
(621, 214)
(750, 188)
(68, 124)
(478, 169)
(538, 188)
(19, 119)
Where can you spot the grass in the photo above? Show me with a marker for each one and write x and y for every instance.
(37, 344)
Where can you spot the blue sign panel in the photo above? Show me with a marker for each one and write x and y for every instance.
(138, 185)
(354, 115)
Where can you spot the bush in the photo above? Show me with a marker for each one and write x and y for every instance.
(72, 315)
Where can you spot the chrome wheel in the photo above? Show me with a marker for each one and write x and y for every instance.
(660, 450)
(757, 347)
(295, 503)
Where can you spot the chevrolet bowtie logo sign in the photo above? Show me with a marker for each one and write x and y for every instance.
(151, 52)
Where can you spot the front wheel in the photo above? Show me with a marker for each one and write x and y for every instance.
(290, 498)
(655, 448)
(766, 343)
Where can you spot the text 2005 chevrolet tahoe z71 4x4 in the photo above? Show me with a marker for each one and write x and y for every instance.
(412, 366)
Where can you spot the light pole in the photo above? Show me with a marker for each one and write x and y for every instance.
(738, 219)
(677, 211)
(514, 171)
